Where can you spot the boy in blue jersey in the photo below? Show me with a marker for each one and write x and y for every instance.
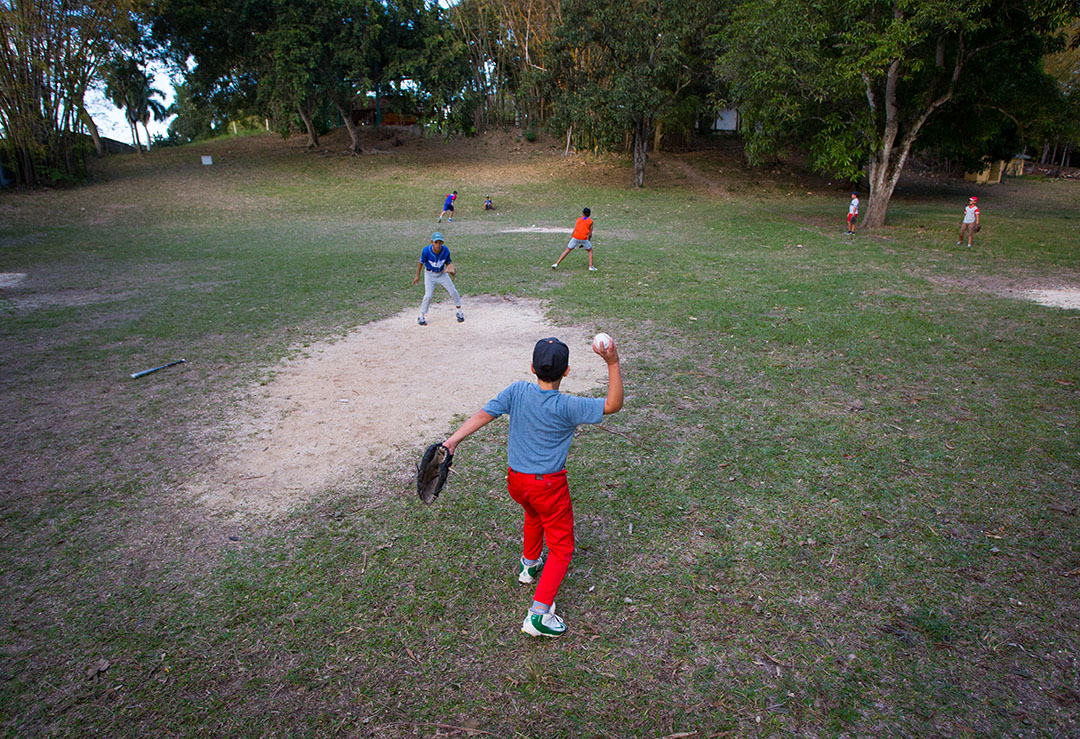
(438, 270)
(542, 424)
(448, 206)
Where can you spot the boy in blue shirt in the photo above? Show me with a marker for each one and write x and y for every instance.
(448, 206)
(438, 270)
(542, 424)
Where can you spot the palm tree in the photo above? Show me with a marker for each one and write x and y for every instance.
(152, 108)
(128, 86)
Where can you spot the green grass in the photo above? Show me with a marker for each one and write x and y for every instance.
(849, 469)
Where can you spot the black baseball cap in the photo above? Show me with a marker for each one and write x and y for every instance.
(551, 357)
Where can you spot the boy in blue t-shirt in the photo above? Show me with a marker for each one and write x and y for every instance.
(438, 269)
(448, 206)
(542, 424)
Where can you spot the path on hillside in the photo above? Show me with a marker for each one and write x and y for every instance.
(698, 178)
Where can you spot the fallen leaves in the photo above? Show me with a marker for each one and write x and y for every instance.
(97, 668)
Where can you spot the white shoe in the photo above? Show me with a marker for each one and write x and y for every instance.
(555, 265)
(592, 269)
(527, 574)
(543, 624)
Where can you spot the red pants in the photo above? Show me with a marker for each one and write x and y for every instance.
(548, 515)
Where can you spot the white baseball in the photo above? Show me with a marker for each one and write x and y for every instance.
(601, 341)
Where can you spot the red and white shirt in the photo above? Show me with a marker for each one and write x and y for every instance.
(971, 213)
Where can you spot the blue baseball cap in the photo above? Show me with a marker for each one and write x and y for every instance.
(437, 237)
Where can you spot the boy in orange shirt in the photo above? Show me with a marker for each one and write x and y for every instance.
(581, 238)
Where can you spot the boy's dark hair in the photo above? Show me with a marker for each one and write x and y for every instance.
(550, 359)
(586, 212)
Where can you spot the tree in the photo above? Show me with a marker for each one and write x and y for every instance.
(295, 50)
(350, 29)
(50, 53)
(507, 44)
(424, 55)
(129, 87)
(619, 67)
(284, 57)
(856, 81)
(1063, 129)
(216, 44)
(192, 121)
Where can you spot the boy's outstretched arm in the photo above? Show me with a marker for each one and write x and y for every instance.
(474, 424)
(614, 400)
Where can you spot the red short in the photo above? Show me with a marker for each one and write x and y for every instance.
(548, 515)
(852, 217)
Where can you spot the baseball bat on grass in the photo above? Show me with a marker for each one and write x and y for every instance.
(137, 375)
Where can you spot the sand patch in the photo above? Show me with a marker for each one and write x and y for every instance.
(385, 391)
(1064, 298)
(9, 280)
(1059, 290)
(538, 230)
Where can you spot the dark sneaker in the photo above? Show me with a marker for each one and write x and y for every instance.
(422, 321)
(460, 317)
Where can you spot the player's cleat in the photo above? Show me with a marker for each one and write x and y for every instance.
(592, 269)
(460, 317)
(527, 573)
(555, 265)
(543, 624)
(422, 321)
(958, 243)
(450, 219)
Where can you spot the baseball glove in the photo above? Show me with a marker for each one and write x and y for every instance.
(978, 227)
(431, 472)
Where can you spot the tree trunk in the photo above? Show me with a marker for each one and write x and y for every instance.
(887, 162)
(641, 154)
(95, 136)
(881, 190)
(354, 133)
(135, 138)
(309, 125)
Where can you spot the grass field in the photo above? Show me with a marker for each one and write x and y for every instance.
(842, 502)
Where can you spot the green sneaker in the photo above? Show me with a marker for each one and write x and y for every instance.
(543, 624)
(526, 574)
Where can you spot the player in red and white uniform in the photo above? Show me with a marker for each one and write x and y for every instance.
(852, 213)
(970, 224)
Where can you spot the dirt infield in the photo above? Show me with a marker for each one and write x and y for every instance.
(386, 390)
